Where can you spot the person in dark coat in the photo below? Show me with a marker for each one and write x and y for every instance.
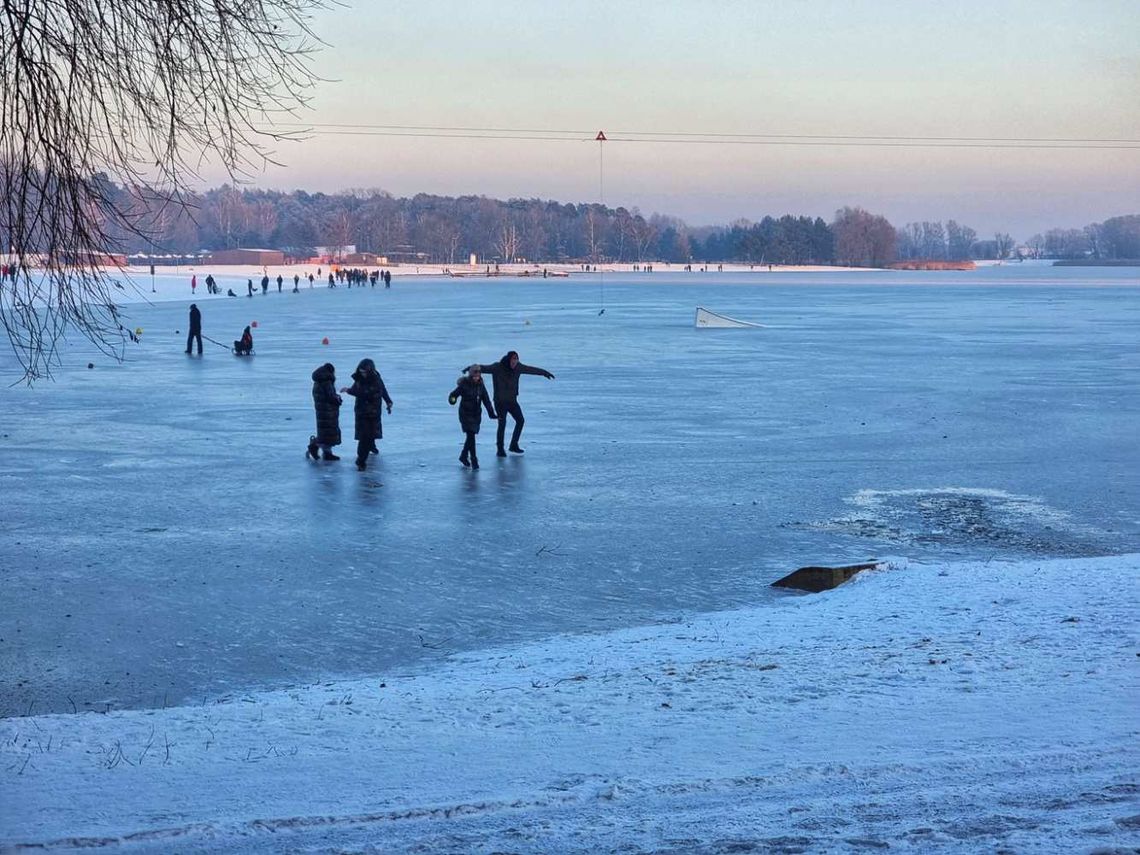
(327, 403)
(505, 375)
(369, 390)
(244, 345)
(265, 284)
(470, 392)
(195, 328)
(280, 279)
(249, 286)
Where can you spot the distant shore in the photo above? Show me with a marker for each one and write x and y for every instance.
(526, 271)
(1098, 262)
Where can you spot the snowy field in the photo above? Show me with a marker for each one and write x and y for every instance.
(210, 643)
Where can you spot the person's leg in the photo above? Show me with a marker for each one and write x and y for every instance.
(468, 447)
(313, 448)
(517, 414)
(501, 430)
(362, 448)
(189, 341)
(199, 337)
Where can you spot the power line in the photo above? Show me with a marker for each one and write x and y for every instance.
(714, 138)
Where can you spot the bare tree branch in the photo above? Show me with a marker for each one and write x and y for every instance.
(108, 109)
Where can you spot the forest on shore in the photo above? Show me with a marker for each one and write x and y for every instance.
(448, 230)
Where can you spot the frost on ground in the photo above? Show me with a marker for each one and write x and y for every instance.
(946, 707)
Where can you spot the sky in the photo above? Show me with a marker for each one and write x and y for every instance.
(996, 70)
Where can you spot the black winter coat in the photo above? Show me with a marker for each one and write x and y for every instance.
(369, 391)
(327, 403)
(506, 379)
(195, 320)
(470, 395)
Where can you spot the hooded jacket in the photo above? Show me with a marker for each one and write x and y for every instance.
(506, 379)
(327, 404)
(471, 394)
(369, 390)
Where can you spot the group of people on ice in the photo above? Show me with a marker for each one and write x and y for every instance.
(370, 393)
(353, 276)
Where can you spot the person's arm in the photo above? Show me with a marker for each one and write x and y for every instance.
(351, 390)
(453, 396)
(384, 395)
(487, 402)
(540, 372)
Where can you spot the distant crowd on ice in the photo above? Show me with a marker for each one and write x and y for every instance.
(370, 393)
(351, 276)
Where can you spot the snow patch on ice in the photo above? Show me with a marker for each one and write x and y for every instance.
(963, 517)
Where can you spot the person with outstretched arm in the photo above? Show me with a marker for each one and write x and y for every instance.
(505, 376)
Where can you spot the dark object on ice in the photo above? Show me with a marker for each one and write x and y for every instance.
(90, 364)
(230, 293)
(816, 579)
(244, 345)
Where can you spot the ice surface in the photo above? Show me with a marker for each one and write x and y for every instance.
(165, 541)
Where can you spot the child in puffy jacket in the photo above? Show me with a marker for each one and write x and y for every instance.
(472, 395)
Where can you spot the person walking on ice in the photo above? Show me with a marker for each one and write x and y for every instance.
(471, 394)
(327, 404)
(505, 375)
(369, 390)
(195, 328)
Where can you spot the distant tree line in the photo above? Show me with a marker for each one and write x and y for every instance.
(1115, 238)
(447, 230)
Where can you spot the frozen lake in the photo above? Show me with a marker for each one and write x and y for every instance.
(165, 540)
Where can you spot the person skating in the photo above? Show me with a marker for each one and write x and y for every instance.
(471, 394)
(369, 390)
(280, 279)
(505, 375)
(264, 284)
(249, 287)
(244, 345)
(195, 328)
(327, 404)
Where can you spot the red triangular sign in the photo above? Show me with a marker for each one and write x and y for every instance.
(601, 137)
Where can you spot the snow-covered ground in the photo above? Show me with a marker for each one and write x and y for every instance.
(961, 707)
(210, 640)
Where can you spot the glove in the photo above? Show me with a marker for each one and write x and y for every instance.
(549, 376)
(389, 409)
(451, 399)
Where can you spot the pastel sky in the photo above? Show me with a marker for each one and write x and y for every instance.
(998, 69)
